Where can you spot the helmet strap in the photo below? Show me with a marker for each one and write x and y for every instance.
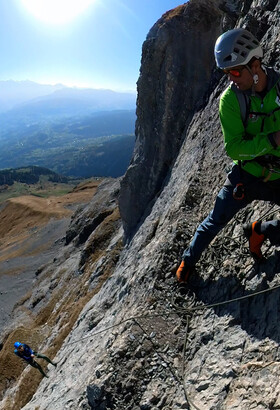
(255, 79)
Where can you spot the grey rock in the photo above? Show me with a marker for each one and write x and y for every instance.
(95, 395)
(167, 79)
(231, 358)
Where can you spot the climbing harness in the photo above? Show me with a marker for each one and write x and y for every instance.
(239, 192)
(270, 163)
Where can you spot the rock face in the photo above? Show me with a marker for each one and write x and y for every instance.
(112, 317)
(177, 60)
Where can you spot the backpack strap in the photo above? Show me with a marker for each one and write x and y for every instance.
(278, 90)
(244, 104)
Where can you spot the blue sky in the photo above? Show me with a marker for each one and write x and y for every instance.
(100, 47)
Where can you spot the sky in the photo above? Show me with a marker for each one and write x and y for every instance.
(83, 43)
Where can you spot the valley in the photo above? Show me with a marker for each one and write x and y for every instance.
(100, 144)
(72, 131)
(32, 229)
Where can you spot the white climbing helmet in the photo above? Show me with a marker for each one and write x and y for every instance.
(236, 47)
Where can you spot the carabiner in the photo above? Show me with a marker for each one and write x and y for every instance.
(239, 192)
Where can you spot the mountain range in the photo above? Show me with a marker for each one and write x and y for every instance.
(28, 96)
(13, 93)
(56, 126)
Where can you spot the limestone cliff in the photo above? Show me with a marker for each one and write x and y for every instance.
(111, 315)
(175, 78)
(176, 67)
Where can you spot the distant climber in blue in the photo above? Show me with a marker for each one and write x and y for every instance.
(23, 351)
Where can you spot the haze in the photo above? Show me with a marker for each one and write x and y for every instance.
(96, 44)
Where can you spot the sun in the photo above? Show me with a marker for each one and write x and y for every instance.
(56, 11)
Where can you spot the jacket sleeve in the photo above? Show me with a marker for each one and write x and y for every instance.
(237, 147)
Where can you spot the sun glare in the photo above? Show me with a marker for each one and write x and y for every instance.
(56, 11)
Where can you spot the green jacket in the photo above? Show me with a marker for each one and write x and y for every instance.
(254, 140)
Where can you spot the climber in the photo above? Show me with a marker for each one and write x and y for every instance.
(25, 352)
(252, 140)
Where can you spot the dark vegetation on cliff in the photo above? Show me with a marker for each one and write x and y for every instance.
(29, 175)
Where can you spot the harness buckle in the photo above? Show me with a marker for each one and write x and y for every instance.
(239, 192)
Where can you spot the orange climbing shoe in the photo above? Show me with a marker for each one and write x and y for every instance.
(183, 272)
(255, 240)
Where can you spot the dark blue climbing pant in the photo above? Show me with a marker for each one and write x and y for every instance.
(226, 207)
(35, 364)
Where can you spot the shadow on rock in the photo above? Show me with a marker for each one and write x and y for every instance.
(258, 310)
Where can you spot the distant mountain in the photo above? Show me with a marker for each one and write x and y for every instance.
(13, 93)
(62, 124)
(63, 131)
(93, 99)
(26, 99)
